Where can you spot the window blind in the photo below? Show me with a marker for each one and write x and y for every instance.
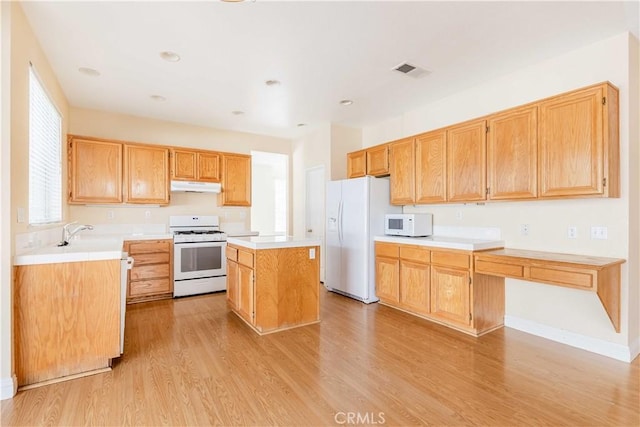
(45, 164)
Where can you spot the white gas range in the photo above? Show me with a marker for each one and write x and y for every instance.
(199, 261)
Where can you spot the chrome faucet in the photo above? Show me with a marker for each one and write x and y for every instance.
(67, 235)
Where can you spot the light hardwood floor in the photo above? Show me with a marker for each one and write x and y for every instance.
(192, 362)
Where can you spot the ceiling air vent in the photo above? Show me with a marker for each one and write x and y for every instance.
(411, 70)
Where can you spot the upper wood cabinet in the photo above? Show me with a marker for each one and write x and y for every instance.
(372, 161)
(378, 160)
(466, 161)
(236, 180)
(431, 167)
(146, 174)
(95, 170)
(578, 143)
(357, 164)
(192, 165)
(401, 167)
(512, 154)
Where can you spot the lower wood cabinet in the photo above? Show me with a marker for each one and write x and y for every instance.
(151, 277)
(439, 285)
(66, 319)
(273, 289)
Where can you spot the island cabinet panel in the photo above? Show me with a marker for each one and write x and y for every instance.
(287, 291)
(402, 170)
(146, 174)
(95, 171)
(431, 167)
(578, 145)
(512, 165)
(466, 162)
(67, 319)
(277, 288)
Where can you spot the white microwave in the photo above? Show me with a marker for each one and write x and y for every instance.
(411, 225)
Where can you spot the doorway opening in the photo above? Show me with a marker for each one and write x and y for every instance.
(270, 189)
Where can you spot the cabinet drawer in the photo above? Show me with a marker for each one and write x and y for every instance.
(149, 247)
(144, 259)
(451, 259)
(149, 271)
(149, 287)
(499, 269)
(415, 254)
(245, 258)
(389, 250)
(577, 278)
(231, 254)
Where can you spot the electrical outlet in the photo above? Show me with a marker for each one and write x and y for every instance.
(459, 215)
(111, 214)
(147, 214)
(524, 229)
(572, 232)
(599, 233)
(312, 253)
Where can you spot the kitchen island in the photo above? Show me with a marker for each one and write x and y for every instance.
(273, 282)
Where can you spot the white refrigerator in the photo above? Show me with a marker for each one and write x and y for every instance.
(355, 214)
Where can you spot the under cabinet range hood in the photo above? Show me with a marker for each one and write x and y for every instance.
(195, 187)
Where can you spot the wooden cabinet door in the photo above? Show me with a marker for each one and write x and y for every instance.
(356, 164)
(402, 171)
(387, 279)
(466, 162)
(147, 174)
(414, 286)
(451, 295)
(232, 284)
(95, 171)
(246, 297)
(570, 144)
(431, 167)
(236, 180)
(184, 165)
(208, 167)
(512, 154)
(378, 160)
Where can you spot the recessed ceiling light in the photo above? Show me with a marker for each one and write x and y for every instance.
(237, 113)
(89, 71)
(272, 82)
(170, 56)
(158, 98)
(232, 1)
(346, 102)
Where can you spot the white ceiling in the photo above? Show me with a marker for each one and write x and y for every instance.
(321, 52)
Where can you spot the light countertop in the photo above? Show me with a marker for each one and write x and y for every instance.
(273, 242)
(444, 242)
(86, 248)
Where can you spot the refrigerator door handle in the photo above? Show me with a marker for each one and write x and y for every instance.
(340, 222)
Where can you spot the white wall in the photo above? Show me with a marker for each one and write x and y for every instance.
(343, 140)
(7, 382)
(311, 150)
(558, 308)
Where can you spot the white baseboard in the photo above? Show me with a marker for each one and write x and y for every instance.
(594, 345)
(8, 387)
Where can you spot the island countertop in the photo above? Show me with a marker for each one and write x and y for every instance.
(273, 242)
